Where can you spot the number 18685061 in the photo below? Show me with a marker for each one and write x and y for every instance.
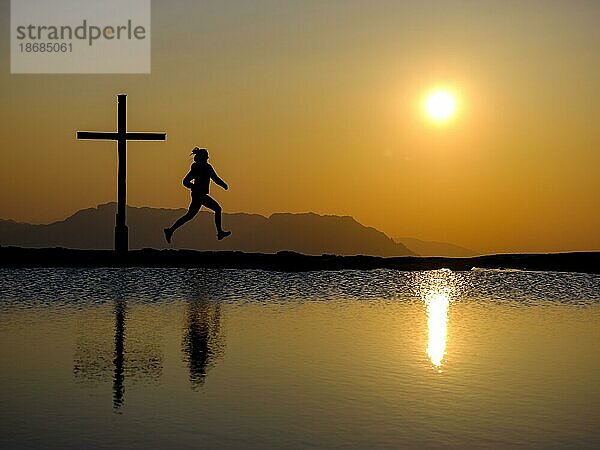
(46, 47)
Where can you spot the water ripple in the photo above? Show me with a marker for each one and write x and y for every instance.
(25, 288)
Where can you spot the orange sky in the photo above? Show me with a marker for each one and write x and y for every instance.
(315, 106)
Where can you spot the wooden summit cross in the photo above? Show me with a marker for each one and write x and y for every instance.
(121, 136)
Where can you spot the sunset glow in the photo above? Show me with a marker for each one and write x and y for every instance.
(385, 113)
(440, 105)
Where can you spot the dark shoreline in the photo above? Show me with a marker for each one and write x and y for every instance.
(15, 257)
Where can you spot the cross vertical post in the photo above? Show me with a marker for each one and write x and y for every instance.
(121, 136)
(121, 231)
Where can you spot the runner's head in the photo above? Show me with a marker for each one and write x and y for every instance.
(200, 154)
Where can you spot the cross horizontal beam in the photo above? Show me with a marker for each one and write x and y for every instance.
(107, 135)
(146, 136)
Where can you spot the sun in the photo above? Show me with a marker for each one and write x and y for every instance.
(440, 105)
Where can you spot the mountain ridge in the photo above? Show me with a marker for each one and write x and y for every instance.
(92, 228)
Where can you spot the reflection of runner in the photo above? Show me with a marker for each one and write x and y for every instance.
(200, 173)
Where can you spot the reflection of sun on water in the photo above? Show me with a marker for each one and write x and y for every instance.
(437, 326)
(437, 289)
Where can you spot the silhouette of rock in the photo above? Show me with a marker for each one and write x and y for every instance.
(585, 262)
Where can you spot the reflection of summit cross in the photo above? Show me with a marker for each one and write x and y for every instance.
(121, 136)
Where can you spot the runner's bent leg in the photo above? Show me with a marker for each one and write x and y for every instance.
(189, 215)
(211, 203)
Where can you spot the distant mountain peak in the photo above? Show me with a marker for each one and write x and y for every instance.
(435, 248)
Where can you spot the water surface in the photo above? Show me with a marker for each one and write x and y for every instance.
(193, 358)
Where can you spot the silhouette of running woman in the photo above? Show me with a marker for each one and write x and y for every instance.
(200, 173)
